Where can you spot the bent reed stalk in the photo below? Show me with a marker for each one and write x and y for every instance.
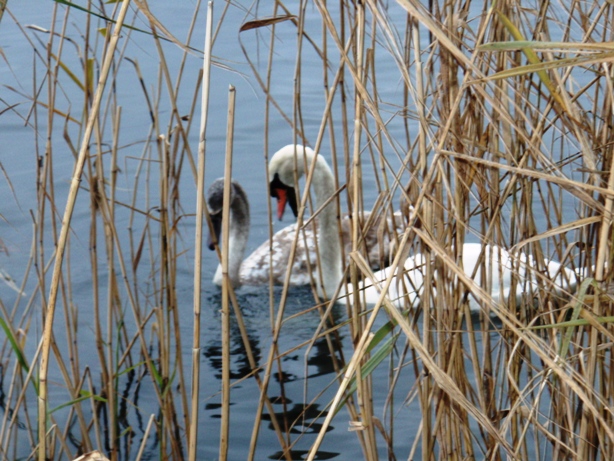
(480, 123)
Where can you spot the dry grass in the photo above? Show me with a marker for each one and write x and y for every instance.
(494, 123)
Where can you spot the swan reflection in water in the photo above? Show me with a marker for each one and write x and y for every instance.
(296, 370)
(297, 330)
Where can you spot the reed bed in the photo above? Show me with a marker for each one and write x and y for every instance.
(482, 122)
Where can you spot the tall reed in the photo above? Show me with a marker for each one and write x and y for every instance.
(483, 123)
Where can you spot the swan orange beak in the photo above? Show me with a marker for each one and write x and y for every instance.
(282, 200)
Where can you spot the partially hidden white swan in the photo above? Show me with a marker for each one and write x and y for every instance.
(501, 269)
(256, 268)
(407, 288)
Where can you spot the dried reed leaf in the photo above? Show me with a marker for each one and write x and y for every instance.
(551, 46)
(264, 22)
(596, 58)
(44, 105)
(568, 227)
(579, 189)
(8, 180)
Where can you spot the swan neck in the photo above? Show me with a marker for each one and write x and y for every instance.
(237, 238)
(328, 235)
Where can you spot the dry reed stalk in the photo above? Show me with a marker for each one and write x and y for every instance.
(169, 176)
(484, 164)
(168, 412)
(319, 137)
(200, 194)
(3, 4)
(98, 194)
(259, 382)
(112, 292)
(256, 371)
(163, 323)
(226, 283)
(267, 109)
(150, 424)
(176, 116)
(174, 176)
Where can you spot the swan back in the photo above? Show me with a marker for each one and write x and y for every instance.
(238, 226)
(503, 271)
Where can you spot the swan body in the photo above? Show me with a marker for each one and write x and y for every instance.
(502, 269)
(256, 267)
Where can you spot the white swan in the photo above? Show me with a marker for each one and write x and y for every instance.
(407, 288)
(256, 269)
(282, 173)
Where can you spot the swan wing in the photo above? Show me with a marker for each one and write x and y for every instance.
(271, 259)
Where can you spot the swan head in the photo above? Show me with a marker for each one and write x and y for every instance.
(215, 205)
(285, 195)
(281, 172)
